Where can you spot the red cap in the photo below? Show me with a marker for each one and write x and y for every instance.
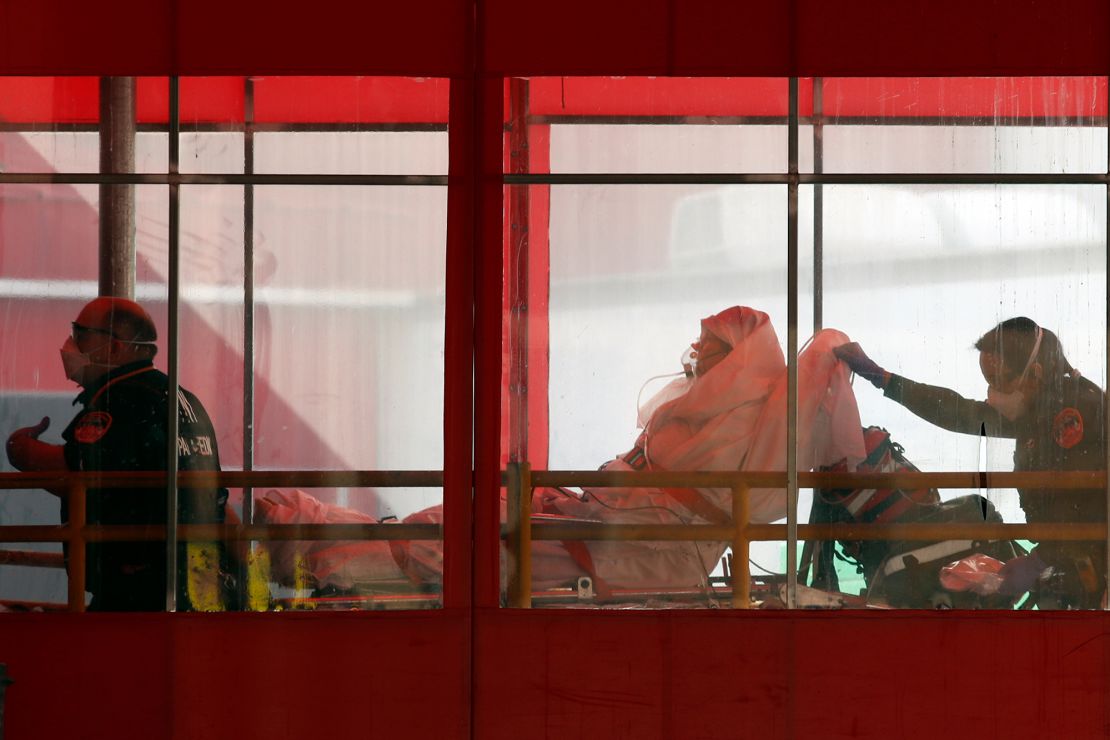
(124, 318)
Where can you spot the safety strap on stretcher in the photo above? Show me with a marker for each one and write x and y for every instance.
(690, 499)
(927, 554)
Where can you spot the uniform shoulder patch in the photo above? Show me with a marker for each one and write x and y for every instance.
(92, 426)
(1067, 428)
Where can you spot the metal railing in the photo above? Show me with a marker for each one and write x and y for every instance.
(76, 532)
(520, 531)
(740, 532)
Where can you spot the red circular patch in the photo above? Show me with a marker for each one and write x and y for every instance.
(1067, 428)
(92, 426)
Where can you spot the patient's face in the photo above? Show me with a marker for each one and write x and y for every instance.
(710, 351)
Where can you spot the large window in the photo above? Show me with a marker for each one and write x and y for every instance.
(289, 238)
(909, 215)
(686, 264)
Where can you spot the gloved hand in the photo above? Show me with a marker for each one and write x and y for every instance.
(854, 357)
(26, 452)
(1020, 573)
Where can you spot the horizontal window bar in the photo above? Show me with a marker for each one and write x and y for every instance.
(1033, 480)
(970, 121)
(553, 530)
(648, 178)
(770, 178)
(777, 479)
(100, 178)
(224, 532)
(232, 478)
(227, 127)
(1056, 531)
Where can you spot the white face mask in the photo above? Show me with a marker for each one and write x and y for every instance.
(1015, 404)
(689, 362)
(1012, 405)
(75, 362)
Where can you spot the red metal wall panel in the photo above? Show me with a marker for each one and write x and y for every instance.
(626, 674)
(416, 37)
(805, 37)
(210, 37)
(74, 37)
(560, 675)
(576, 37)
(335, 676)
(459, 357)
(952, 37)
(661, 675)
(715, 38)
(606, 37)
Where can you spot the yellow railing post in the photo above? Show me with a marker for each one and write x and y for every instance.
(76, 538)
(741, 575)
(519, 525)
(258, 579)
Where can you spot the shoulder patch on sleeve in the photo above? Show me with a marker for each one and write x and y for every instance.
(92, 426)
(1067, 428)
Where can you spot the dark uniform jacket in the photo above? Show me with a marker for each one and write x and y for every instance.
(1064, 430)
(122, 427)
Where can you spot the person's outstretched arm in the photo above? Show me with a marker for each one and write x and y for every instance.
(940, 406)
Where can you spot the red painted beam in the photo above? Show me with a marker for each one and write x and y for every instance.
(573, 37)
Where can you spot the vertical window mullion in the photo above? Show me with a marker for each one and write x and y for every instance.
(792, 352)
(818, 204)
(1106, 361)
(172, 299)
(248, 295)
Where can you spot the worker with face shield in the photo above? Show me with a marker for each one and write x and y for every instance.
(1058, 420)
(122, 426)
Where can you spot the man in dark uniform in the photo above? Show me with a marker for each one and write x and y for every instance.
(1058, 419)
(122, 426)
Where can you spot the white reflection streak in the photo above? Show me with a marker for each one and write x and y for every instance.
(214, 294)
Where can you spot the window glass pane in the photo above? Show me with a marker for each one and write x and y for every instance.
(49, 124)
(348, 346)
(917, 274)
(49, 238)
(633, 272)
(41, 286)
(335, 364)
(350, 125)
(981, 125)
(53, 124)
(212, 114)
(646, 124)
